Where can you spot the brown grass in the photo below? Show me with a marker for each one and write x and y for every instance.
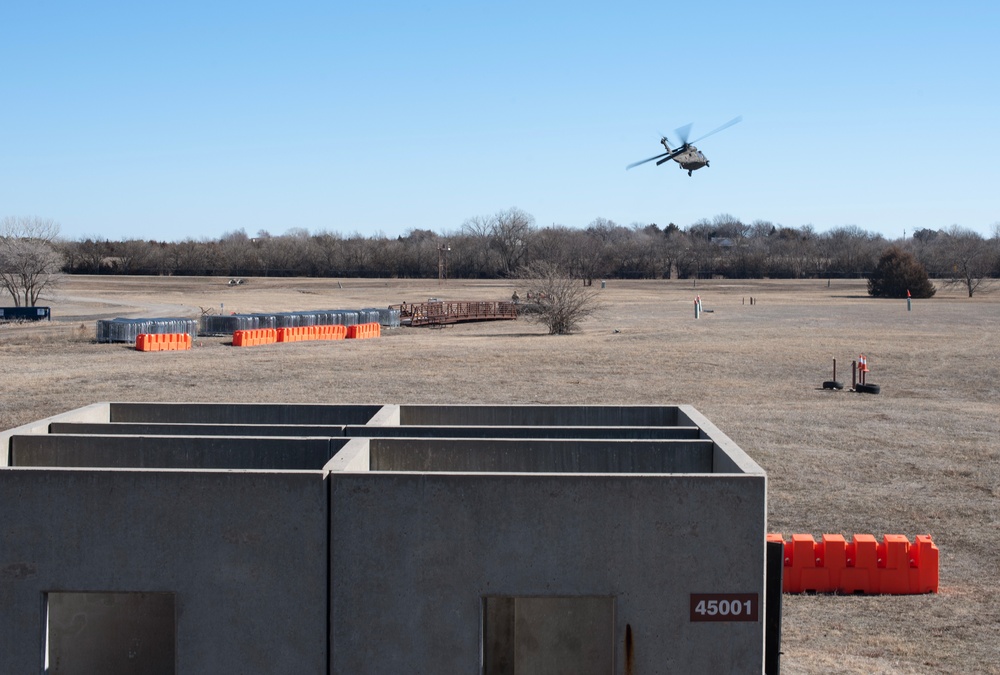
(922, 457)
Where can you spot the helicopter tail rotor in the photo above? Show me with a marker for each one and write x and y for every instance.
(683, 133)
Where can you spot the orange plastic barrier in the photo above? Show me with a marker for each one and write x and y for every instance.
(162, 342)
(255, 337)
(295, 334)
(892, 567)
(334, 332)
(267, 336)
(364, 330)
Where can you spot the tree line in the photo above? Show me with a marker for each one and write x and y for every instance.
(499, 245)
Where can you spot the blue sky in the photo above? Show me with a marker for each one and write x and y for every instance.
(184, 119)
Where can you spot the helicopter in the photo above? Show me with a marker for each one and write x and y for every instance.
(688, 156)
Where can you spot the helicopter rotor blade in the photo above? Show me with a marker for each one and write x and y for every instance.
(643, 161)
(673, 153)
(728, 124)
(683, 132)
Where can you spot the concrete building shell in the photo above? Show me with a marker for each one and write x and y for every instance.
(378, 539)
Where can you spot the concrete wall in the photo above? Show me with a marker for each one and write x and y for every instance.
(245, 554)
(463, 431)
(380, 431)
(177, 429)
(242, 413)
(727, 457)
(536, 415)
(354, 456)
(414, 554)
(167, 452)
(540, 456)
(98, 412)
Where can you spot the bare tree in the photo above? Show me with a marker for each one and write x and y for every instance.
(88, 256)
(131, 255)
(966, 257)
(851, 251)
(510, 237)
(236, 255)
(557, 301)
(473, 247)
(29, 262)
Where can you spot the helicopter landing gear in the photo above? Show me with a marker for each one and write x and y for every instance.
(689, 172)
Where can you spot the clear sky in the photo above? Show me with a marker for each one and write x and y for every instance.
(191, 119)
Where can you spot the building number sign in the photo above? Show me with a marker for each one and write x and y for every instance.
(725, 606)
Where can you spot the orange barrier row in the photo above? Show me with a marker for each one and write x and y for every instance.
(254, 337)
(302, 333)
(162, 342)
(267, 336)
(893, 567)
(364, 330)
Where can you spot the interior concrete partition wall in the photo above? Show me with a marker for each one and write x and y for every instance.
(503, 455)
(539, 415)
(534, 432)
(243, 413)
(170, 452)
(97, 412)
(244, 553)
(414, 554)
(180, 429)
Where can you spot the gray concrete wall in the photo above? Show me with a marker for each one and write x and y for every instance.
(242, 413)
(354, 456)
(459, 431)
(540, 456)
(539, 415)
(414, 554)
(387, 416)
(168, 452)
(245, 554)
(728, 457)
(97, 412)
(157, 429)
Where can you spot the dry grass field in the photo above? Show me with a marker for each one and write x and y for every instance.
(921, 457)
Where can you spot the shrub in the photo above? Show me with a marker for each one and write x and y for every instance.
(557, 301)
(896, 273)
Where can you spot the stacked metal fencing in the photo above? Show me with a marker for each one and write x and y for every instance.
(387, 318)
(127, 330)
(212, 324)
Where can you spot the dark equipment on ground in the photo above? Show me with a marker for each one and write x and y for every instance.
(18, 314)
(686, 155)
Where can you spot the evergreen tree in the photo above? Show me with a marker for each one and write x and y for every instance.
(897, 273)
